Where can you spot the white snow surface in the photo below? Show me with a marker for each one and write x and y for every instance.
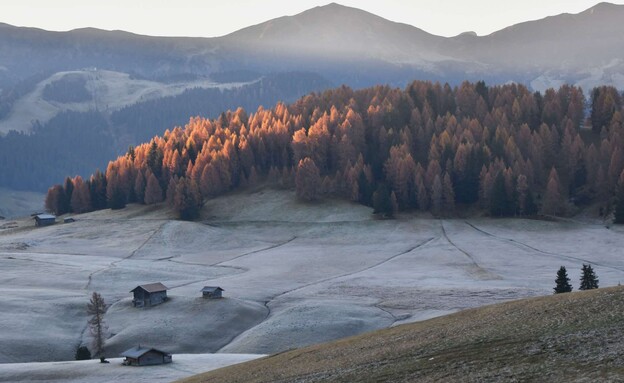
(92, 371)
(110, 91)
(294, 274)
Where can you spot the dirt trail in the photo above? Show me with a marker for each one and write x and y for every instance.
(530, 248)
(273, 298)
(474, 269)
(115, 263)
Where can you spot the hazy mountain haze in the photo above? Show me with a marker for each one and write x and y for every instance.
(216, 18)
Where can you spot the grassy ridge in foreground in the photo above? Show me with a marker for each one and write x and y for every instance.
(566, 337)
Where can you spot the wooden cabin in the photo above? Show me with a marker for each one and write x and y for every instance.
(212, 292)
(151, 294)
(44, 220)
(145, 356)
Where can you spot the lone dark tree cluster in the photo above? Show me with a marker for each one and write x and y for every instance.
(588, 278)
(562, 281)
(96, 308)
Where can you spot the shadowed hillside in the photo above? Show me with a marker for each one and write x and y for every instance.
(568, 337)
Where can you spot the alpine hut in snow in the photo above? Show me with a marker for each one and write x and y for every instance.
(212, 292)
(151, 294)
(45, 219)
(145, 356)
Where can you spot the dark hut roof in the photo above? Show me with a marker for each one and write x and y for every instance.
(211, 289)
(138, 351)
(151, 287)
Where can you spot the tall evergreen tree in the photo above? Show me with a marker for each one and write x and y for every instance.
(588, 278)
(96, 308)
(562, 281)
(308, 180)
(97, 190)
(187, 200)
(153, 192)
(381, 201)
(68, 190)
(619, 201)
(500, 205)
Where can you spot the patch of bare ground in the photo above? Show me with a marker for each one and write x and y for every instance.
(574, 337)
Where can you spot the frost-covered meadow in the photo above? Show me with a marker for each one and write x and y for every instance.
(294, 274)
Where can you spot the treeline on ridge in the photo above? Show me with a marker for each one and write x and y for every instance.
(429, 147)
(78, 142)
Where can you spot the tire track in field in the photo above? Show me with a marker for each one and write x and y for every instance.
(475, 269)
(114, 263)
(257, 251)
(530, 248)
(409, 250)
(271, 299)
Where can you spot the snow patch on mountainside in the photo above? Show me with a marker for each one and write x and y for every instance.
(110, 91)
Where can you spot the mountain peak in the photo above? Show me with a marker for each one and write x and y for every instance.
(602, 7)
(335, 30)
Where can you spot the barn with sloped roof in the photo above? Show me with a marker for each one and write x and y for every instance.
(145, 356)
(151, 294)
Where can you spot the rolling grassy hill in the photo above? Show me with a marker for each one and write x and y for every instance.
(568, 337)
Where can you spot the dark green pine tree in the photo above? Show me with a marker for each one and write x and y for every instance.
(562, 281)
(118, 199)
(381, 201)
(618, 214)
(588, 278)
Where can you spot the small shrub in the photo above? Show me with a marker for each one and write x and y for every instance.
(83, 353)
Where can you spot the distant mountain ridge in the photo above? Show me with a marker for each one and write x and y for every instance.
(125, 74)
(331, 38)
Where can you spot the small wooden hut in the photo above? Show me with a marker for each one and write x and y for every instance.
(212, 292)
(151, 294)
(145, 356)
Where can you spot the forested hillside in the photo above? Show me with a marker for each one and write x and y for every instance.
(428, 147)
(78, 142)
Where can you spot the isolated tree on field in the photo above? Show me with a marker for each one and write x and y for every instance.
(96, 308)
(307, 180)
(588, 278)
(562, 282)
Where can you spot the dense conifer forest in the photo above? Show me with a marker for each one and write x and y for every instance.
(429, 147)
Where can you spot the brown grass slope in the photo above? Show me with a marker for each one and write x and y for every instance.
(567, 337)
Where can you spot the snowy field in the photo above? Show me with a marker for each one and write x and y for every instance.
(109, 90)
(93, 371)
(293, 274)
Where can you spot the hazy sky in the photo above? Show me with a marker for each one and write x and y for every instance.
(215, 18)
